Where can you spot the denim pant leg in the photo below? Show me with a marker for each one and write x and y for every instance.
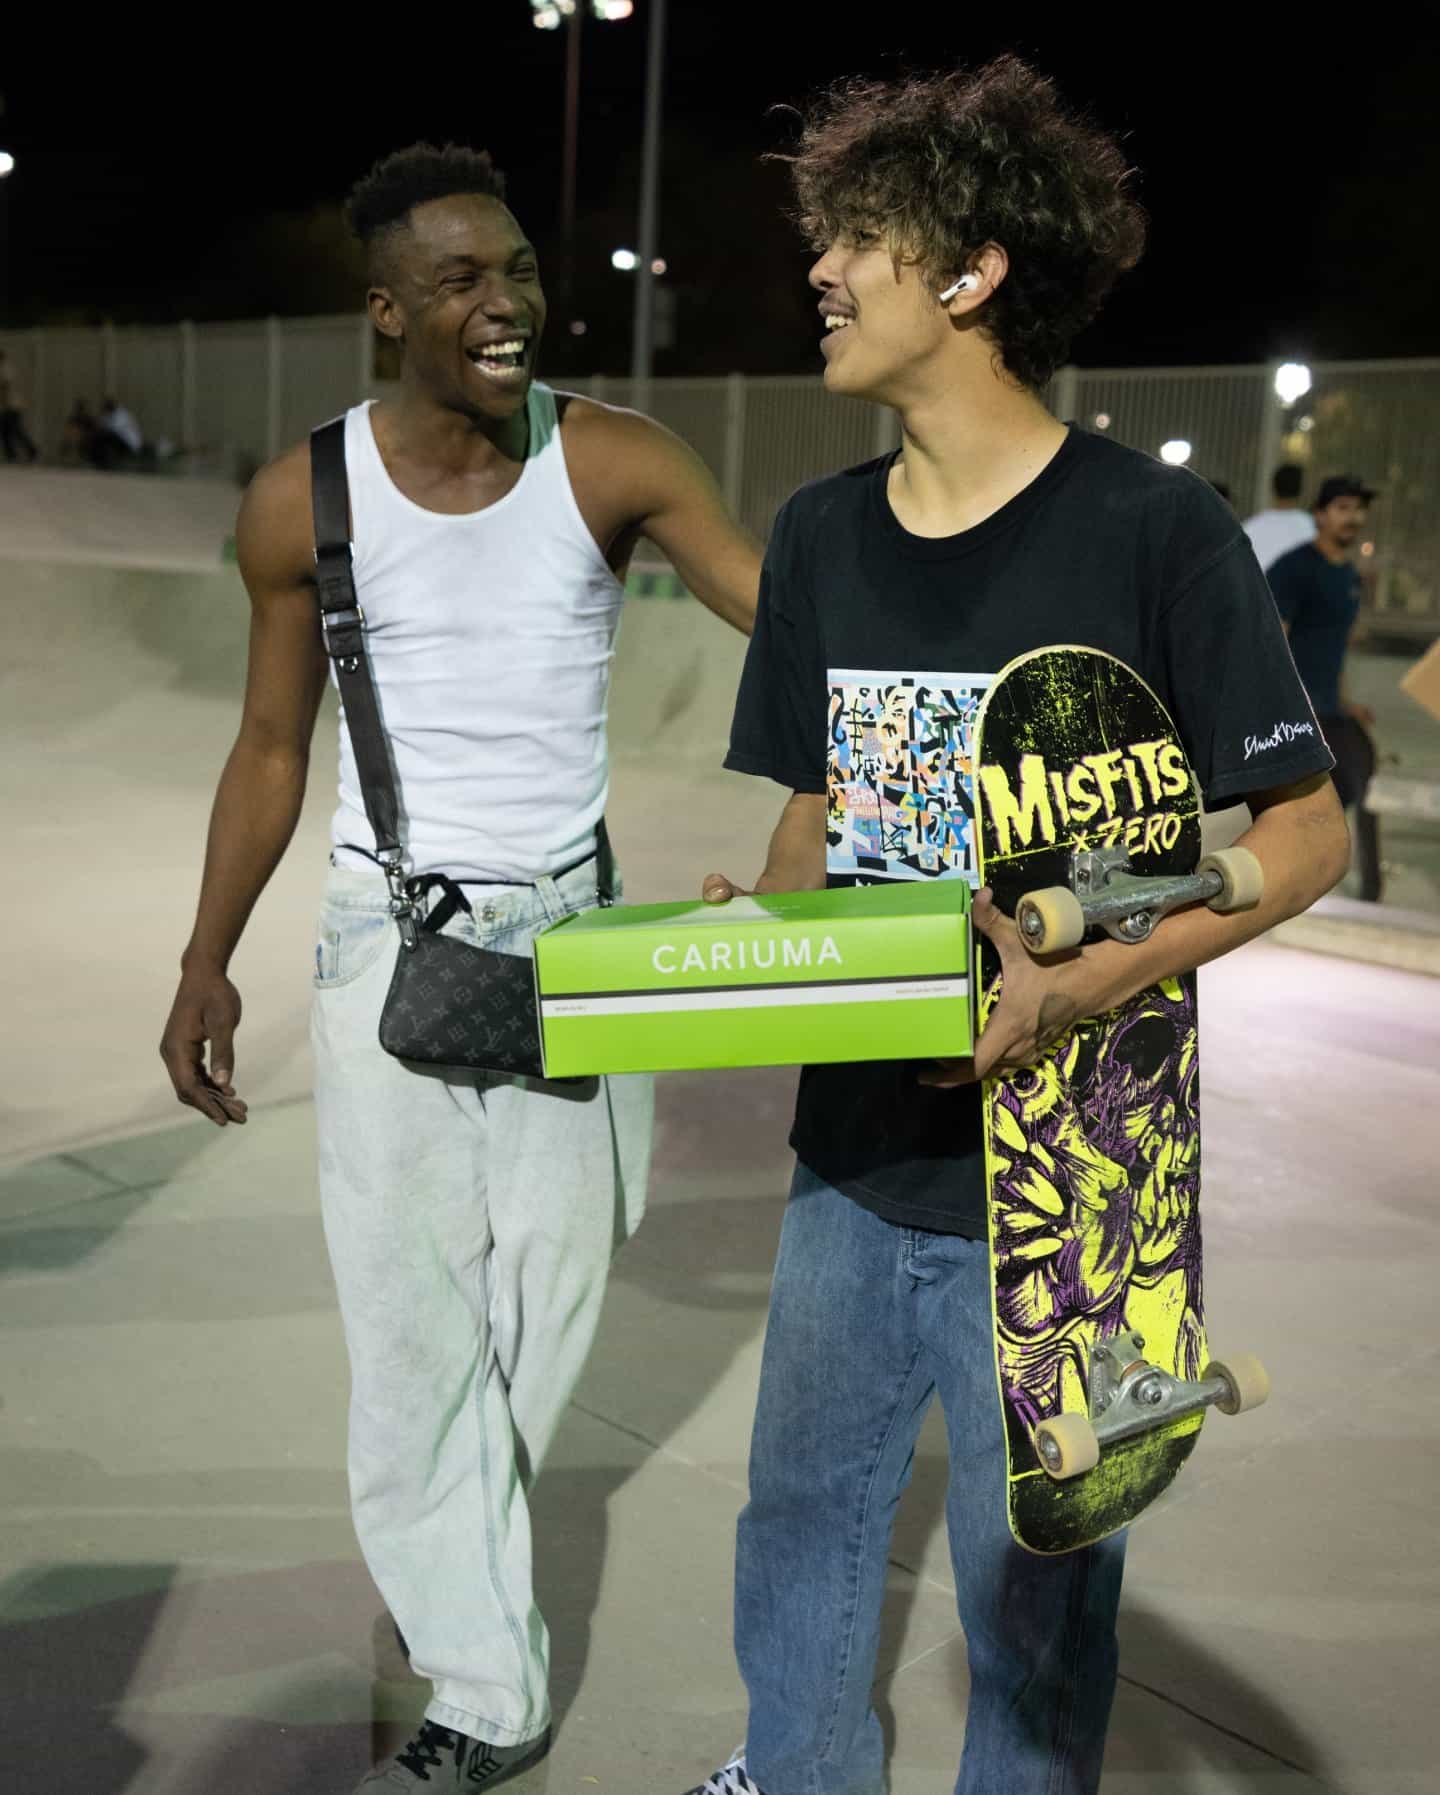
(842, 1397)
(1040, 1631)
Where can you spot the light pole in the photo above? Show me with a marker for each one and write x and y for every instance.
(642, 349)
(7, 168)
(572, 139)
(1288, 382)
(550, 15)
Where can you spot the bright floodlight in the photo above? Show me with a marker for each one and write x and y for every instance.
(612, 9)
(1176, 453)
(7, 164)
(1292, 382)
(548, 16)
(625, 260)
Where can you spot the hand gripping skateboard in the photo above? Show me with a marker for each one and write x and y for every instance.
(1088, 821)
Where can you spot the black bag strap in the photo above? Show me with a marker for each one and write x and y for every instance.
(342, 625)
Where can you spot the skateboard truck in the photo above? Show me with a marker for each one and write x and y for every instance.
(1130, 1396)
(1105, 893)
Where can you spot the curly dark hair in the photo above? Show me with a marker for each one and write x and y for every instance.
(380, 205)
(945, 163)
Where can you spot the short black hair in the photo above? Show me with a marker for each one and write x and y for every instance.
(380, 205)
(1287, 481)
(945, 163)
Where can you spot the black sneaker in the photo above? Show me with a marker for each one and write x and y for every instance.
(733, 1779)
(447, 1760)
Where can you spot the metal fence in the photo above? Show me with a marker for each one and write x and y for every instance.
(234, 394)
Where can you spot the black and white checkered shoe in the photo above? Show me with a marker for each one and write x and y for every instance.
(447, 1760)
(734, 1779)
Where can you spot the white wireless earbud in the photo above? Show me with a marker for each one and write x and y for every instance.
(967, 283)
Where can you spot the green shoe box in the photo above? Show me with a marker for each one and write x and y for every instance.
(880, 972)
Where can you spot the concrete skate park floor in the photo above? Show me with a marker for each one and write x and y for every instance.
(182, 1607)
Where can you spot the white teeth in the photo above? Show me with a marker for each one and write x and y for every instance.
(835, 321)
(493, 351)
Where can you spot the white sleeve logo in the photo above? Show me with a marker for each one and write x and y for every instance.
(1279, 737)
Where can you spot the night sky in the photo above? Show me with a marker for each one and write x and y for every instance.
(1290, 174)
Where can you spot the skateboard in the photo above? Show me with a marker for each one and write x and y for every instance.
(1088, 824)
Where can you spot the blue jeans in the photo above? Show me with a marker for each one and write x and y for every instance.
(867, 1322)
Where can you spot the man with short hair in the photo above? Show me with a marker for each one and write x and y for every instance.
(1317, 591)
(1283, 525)
(470, 1218)
(968, 226)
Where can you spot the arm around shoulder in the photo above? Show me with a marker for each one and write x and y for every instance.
(673, 499)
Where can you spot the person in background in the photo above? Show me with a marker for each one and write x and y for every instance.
(14, 438)
(78, 435)
(118, 439)
(1285, 524)
(1317, 591)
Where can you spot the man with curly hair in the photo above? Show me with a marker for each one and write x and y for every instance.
(470, 1218)
(969, 225)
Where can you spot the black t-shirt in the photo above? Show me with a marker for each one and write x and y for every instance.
(1320, 600)
(871, 652)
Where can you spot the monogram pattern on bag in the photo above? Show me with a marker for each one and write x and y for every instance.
(451, 1004)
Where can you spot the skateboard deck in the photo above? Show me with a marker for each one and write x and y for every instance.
(1093, 1154)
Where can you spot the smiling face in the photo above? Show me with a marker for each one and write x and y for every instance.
(462, 292)
(884, 332)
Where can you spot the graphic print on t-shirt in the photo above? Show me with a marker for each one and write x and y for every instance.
(900, 776)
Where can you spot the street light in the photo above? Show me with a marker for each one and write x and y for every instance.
(1177, 453)
(550, 15)
(1292, 381)
(627, 261)
(7, 164)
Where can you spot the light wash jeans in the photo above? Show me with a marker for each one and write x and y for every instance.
(471, 1221)
(867, 1322)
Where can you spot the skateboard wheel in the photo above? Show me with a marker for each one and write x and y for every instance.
(1242, 879)
(1067, 1445)
(1049, 920)
(1247, 1383)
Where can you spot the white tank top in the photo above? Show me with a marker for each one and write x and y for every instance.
(491, 636)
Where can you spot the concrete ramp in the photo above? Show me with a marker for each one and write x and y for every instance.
(115, 520)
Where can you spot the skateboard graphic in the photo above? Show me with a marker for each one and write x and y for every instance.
(1088, 823)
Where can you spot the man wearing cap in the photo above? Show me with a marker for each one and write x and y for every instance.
(1317, 590)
